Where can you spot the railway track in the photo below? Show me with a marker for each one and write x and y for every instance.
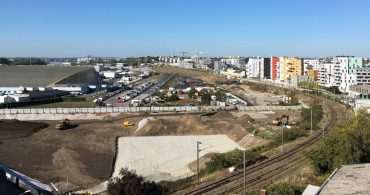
(270, 167)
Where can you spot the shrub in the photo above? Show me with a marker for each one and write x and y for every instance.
(172, 98)
(283, 189)
(130, 183)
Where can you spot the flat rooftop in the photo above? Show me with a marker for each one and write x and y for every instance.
(349, 179)
(36, 76)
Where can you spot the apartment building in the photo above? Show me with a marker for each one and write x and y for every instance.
(348, 68)
(310, 64)
(329, 74)
(274, 68)
(292, 66)
(235, 62)
(313, 74)
(342, 72)
(266, 73)
(363, 75)
(254, 67)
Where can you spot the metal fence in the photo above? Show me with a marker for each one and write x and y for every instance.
(268, 108)
(140, 109)
(107, 110)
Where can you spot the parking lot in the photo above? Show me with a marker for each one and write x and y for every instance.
(142, 89)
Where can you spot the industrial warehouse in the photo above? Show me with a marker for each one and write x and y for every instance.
(30, 83)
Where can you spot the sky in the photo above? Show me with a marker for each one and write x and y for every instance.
(129, 28)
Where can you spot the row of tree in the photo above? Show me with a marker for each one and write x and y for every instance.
(206, 95)
(23, 61)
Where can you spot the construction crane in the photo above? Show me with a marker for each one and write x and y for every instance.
(183, 53)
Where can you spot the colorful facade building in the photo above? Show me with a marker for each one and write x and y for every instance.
(314, 74)
(292, 66)
(274, 68)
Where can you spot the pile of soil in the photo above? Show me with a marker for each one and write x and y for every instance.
(10, 129)
(223, 115)
(245, 120)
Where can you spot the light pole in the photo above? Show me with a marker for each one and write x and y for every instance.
(245, 180)
(311, 118)
(198, 150)
(282, 136)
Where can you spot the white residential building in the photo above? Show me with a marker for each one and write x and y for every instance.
(342, 72)
(310, 64)
(363, 75)
(329, 74)
(232, 73)
(235, 62)
(254, 67)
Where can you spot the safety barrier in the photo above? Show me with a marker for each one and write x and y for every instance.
(268, 108)
(108, 110)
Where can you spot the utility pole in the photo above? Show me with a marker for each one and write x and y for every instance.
(323, 124)
(245, 180)
(198, 150)
(282, 136)
(311, 118)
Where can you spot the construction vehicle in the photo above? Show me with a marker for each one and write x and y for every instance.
(63, 124)
(128, 124)
(283, 120)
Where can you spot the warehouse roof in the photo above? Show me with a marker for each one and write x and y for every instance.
(35, 76)
(349, 179)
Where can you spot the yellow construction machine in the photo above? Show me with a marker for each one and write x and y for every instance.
(283, 120)
(63, 124)
(128, 124)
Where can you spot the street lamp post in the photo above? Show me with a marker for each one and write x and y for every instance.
(282, 136)
(245, 179)
(311, 118)
(198, 150)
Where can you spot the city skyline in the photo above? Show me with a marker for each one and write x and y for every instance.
(236, 28)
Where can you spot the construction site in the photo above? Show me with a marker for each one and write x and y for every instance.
(77, 153)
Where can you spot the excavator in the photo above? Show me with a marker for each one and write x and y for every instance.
(283, 120)
(63, 124)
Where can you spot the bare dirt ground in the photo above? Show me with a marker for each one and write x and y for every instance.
(84, 154)
(196, 74)
(10, 129)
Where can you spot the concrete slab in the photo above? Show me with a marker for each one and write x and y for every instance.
(166, 157)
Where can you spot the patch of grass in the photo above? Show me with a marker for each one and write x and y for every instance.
(221, 161)
(265, 135)
(250, 129)
(64, 105)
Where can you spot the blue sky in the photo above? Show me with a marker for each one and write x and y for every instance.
(122, 28)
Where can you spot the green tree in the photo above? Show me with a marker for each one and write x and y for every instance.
(172, 98)
(220, 95)
(4, 61)
(349, 143)
(191, 92)
(211, 66)
(129, 183)
(206, 96)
